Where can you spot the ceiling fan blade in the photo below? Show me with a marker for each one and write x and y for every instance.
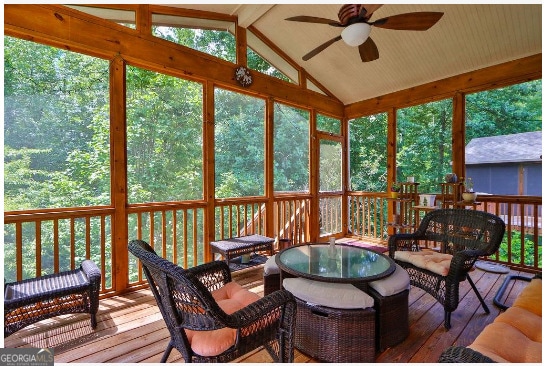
(418, 21)
(320, 48)
(369, 10)
(368, 51)
(308, 19)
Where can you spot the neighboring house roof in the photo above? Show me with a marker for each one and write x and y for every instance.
(519, 147)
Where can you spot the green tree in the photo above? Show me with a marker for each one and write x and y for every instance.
(367, 153)
(424, 143)
(503, 111)
(164, 137)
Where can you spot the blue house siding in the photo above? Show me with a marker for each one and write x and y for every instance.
(533, 178)
(506, 164)
(504, 178)
(494, 178)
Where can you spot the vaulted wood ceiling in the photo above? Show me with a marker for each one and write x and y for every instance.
(468, 37)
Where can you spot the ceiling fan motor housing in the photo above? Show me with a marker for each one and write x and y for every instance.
(349, 14)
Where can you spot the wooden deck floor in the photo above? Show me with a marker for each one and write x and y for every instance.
(131, 330)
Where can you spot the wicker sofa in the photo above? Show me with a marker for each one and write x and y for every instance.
(514, 336)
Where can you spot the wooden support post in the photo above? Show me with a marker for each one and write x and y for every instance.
(458, 133)
(118, 143)
(208, 167)
(391, 157)
(269, 167)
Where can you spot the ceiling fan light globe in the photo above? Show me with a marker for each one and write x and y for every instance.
(356, 34)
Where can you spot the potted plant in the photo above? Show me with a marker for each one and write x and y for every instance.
(395, 189)
(468, 194)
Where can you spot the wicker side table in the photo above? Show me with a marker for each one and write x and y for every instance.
(29, 301)
(335, 335)
(235, 247)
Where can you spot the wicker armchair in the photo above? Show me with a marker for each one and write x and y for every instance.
(466, 234)
(185, 299)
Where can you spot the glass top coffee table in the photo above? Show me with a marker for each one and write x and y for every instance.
(346, 264)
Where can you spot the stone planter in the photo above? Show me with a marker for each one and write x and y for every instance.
(469, 196)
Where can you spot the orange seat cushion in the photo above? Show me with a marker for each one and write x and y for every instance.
(230, 298)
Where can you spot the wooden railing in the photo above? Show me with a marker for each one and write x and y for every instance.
(239, 216)
(330, 214)
(522, 245)
(52, 241)
(368, 216)
(291, 218)
(174, 230)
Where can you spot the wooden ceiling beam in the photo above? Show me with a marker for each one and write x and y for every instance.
(509, 73)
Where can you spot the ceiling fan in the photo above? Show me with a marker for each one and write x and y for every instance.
(356, 21)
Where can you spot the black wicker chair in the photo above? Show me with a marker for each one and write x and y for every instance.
(467, 235)
(185, 300)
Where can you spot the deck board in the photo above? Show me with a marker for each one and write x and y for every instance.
(130, 328)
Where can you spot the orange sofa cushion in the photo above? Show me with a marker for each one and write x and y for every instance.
(502, 342)
(516, 334)
(230, 298)
(531, 298)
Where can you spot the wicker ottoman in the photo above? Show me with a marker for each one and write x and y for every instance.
(392, 322)
(335, 335)
(390, 296)
(29, 301)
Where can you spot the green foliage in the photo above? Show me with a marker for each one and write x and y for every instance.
(239, 145)
(216, 43)
(328, 124)
(330, 166)
(504, 111)
(517, 241)
(291, 149)
(258, 63)
(367, 153)
(424, 143)
(164, 137)
(56, 127)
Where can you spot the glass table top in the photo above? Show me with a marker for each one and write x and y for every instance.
(343, 264)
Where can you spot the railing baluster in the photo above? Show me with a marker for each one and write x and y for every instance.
(175, 239)
(56, 258)
(87, 237)
(195, 252)
(185, 238)
(38, 250)
(72, 244)
(164, 232)
(73, 231)
(19, 250)
(103, 250)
